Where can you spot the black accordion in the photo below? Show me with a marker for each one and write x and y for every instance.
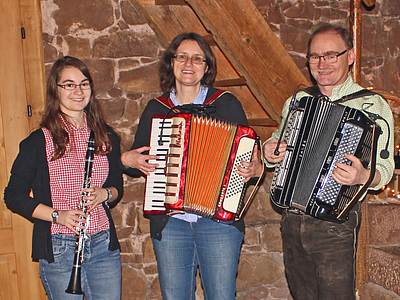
(318, 134)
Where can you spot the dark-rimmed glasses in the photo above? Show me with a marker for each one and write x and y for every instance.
(330, 58)
(195, 59)
(73, 86)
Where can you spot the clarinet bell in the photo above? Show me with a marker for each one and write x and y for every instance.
(74, 286)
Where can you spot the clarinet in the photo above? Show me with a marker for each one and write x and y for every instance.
(74, 286)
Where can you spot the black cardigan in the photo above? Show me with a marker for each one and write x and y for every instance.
(227, 108)
(30, 172)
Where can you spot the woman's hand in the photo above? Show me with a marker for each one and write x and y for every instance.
(135, 159)
(73, 219)
(254, 168)
(94, 196)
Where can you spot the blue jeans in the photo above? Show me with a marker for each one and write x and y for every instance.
(214, 247)
(101, 269)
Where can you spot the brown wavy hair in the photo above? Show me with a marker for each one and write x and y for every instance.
(167, 77)
(52, 117)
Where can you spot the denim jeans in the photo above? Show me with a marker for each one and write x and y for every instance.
(212, 246)
(319, 256)
(101, 269)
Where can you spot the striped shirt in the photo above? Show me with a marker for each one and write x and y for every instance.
(67, 174)
(378, 106)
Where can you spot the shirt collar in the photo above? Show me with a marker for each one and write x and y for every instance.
(342, 89)
(200, 98)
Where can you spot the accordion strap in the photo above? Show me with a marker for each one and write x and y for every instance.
(363, 189)
(256, 186)
(315, 92)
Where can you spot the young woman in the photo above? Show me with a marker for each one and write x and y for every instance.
(186, 241)
(51, 164)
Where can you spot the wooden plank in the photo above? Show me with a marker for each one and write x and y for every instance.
(169, 21)
(231, 82)
(6, 241)
(13, 107)
(250, 45)
(32, 47)
(5, 215)
(169, 2)
(251, 106)
(262, 122)
(361, 254)
(355, 26)
(8, 278)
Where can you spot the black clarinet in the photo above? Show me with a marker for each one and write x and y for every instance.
(74, 286)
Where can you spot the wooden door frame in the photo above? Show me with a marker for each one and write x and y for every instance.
(26, 87)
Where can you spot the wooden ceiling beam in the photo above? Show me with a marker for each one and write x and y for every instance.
(170, 2)
(231, 82)
(257, 54)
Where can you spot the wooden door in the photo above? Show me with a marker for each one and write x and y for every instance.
(21, 75)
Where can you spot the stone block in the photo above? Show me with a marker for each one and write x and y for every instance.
(373, 291)
(113, 108)
(257, 269)
(148, 253)
(50, 52)
(131, 13)
(384, 267)
(271, 239)
(384, 228)
(155, 292)
(73, 15)
(126, 43)
(134, 283)
(252, 236)
(78, 47)
(144, 79)
(293, 38)
(261, 210)
(143, 223)
(102, 71)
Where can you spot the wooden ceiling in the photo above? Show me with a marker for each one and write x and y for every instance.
(251, 60)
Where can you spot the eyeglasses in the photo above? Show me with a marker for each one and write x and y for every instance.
(328, 57)
(195, 59)
(72, 86)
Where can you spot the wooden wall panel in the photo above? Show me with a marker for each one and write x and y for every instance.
(16, 233)
(8, 273)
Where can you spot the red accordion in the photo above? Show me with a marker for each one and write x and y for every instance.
(197, 159)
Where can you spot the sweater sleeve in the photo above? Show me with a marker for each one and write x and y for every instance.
(23, 172)
(114, 178)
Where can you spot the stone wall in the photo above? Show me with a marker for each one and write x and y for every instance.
(122, 52)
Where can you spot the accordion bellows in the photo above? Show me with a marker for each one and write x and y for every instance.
(197, 159)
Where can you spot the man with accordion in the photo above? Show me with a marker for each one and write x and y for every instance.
(335, 142)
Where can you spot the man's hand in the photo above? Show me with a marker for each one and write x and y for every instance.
(351, 174)
(269, 148)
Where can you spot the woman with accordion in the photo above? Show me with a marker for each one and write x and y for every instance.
(72, 166)
(182, 242)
